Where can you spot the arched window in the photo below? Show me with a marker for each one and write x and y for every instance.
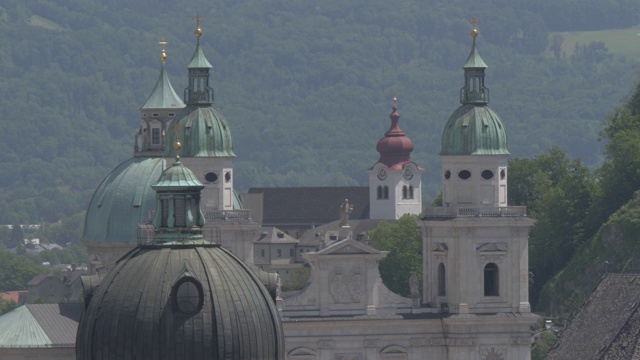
(410, 191)
(386, 192)
(404, 192)
(491, 280)
(442, 289)
(379, 192)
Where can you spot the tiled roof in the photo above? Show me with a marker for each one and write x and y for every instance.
(271, 235)
(607, 325)
(311, 205)
(40, 325)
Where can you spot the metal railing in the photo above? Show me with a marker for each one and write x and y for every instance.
(476, 211)
(226, 215)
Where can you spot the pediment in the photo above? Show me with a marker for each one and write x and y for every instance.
(348, 246)
(440, 247)
(492, 247)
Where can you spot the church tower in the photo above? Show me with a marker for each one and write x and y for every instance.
(205, 135)
(395, 181)
(207, 149)
(475, 247)
(156, 114)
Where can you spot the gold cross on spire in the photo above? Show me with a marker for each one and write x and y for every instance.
(198, 30)
(163, 57)
(474, 22)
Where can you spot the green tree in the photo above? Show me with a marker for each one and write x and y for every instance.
(16, 271)
(6, 306)
(557, 191)
(403, 240)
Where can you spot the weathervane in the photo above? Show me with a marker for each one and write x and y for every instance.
(163, 57)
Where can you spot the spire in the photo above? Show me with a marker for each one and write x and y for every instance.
(163, 96)
(474, 91)
(395, 147)
(198, 92)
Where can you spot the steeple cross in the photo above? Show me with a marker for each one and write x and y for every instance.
(474, 32)
(163, 57)
(198, 31)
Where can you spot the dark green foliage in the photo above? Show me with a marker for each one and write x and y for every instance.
(557, 191)
(6, 306)
(542, 345)
(16, 271)
(403, 240)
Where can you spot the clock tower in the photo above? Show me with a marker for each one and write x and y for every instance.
(395, 183)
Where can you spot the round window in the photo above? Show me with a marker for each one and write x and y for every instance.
(187, 296)
(447, 174)
(487, 174)
(211, 177)
(464, 174)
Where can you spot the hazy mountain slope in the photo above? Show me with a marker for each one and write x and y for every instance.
(306, 87)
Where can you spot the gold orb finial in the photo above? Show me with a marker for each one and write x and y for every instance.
(163, 56)
(474, 32)
(198, 31)
(177, 146)
(395, 100)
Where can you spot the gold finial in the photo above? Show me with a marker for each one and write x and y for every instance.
(177, 129)
(163, 57)
(198, 31)
(474, 32)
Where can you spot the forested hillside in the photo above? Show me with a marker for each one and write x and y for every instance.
(305, 86)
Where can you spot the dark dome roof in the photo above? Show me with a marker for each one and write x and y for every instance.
(123, 200)
(395, 147)
(180, 302)
(203, 132)
(474, 130)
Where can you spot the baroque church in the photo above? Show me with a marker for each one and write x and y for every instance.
(173, 248)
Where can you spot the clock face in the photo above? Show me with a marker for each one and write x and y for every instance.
(408, 174)
(382, 174)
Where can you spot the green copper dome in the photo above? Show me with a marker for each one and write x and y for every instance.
(177, 177)
(474, 130)
(203, 132)
(123, 200)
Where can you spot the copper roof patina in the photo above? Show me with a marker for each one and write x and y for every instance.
(123, 200)
(474, 130)
(204, 132)
(163, 96)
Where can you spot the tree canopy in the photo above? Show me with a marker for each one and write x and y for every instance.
(403, 240)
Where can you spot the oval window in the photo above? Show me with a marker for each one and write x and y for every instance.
(227, 176)
(464, 174)
(487, 174)
(211, 177)
(187, 296)
(503, 174)
(447, 174)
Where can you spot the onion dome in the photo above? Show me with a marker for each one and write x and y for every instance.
(200, 127)
(474, 128)
(180, 302)
(122, 201)
(203, 132)
(395, 147)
